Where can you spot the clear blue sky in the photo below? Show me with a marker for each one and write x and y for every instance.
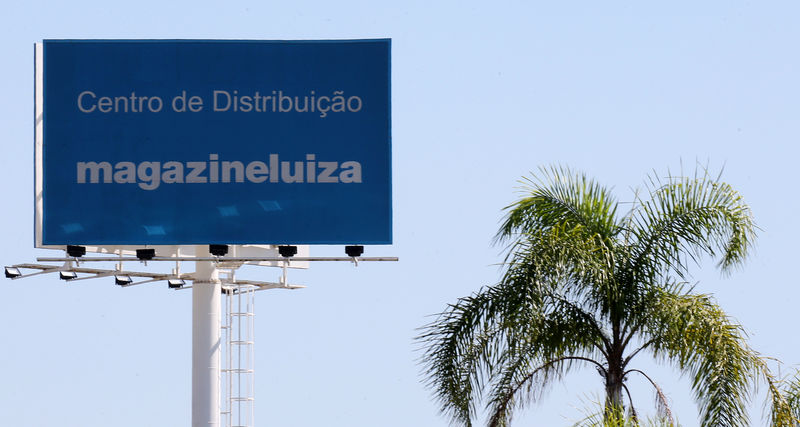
(483, 93)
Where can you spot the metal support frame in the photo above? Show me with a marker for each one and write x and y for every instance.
(216, 259)
(207, 345)
(95, 273)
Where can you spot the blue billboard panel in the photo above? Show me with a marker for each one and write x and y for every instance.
(233, 142)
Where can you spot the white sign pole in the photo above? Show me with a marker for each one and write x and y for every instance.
(206, 295)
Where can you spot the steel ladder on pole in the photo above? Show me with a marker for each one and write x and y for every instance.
(238, 371)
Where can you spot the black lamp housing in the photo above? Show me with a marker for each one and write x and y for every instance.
(145, 254)
(354, 250)
(287, 251)
(76, 251)
(218, 250)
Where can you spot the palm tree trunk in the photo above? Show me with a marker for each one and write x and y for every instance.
(614, 406)
(614, 403)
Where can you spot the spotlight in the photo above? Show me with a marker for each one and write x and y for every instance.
(123, 280)
(354, 251)
(76, 251)
(145, 254)
(175, 283)
(218, 250)
(67, 275)
(287, 251)
(12, 272)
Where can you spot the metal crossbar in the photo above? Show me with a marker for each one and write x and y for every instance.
(215, 259)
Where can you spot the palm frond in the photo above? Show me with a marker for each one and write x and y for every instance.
(560, 197)
(457, 345)
(519, 377)
(793, 396)
(692, 332)
(566, 257)
(467, 342)
(688, 217)
(618, 418)
(783, 406)
(662, 405)
(567, 336)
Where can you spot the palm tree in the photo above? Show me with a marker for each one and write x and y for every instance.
(586, 286)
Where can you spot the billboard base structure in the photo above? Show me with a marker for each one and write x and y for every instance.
(206, 345)
(213, 277)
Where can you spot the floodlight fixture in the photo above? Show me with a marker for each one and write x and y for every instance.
(354, 250)
(76, 251)
(145, 254)
(12, 272)
(218, 250)
(287, 251)
(67, 275)
(175, 283)
(123, 280)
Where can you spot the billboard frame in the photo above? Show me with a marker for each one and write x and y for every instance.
(41, 220)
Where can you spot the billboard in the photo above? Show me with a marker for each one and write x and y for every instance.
(197, 141)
